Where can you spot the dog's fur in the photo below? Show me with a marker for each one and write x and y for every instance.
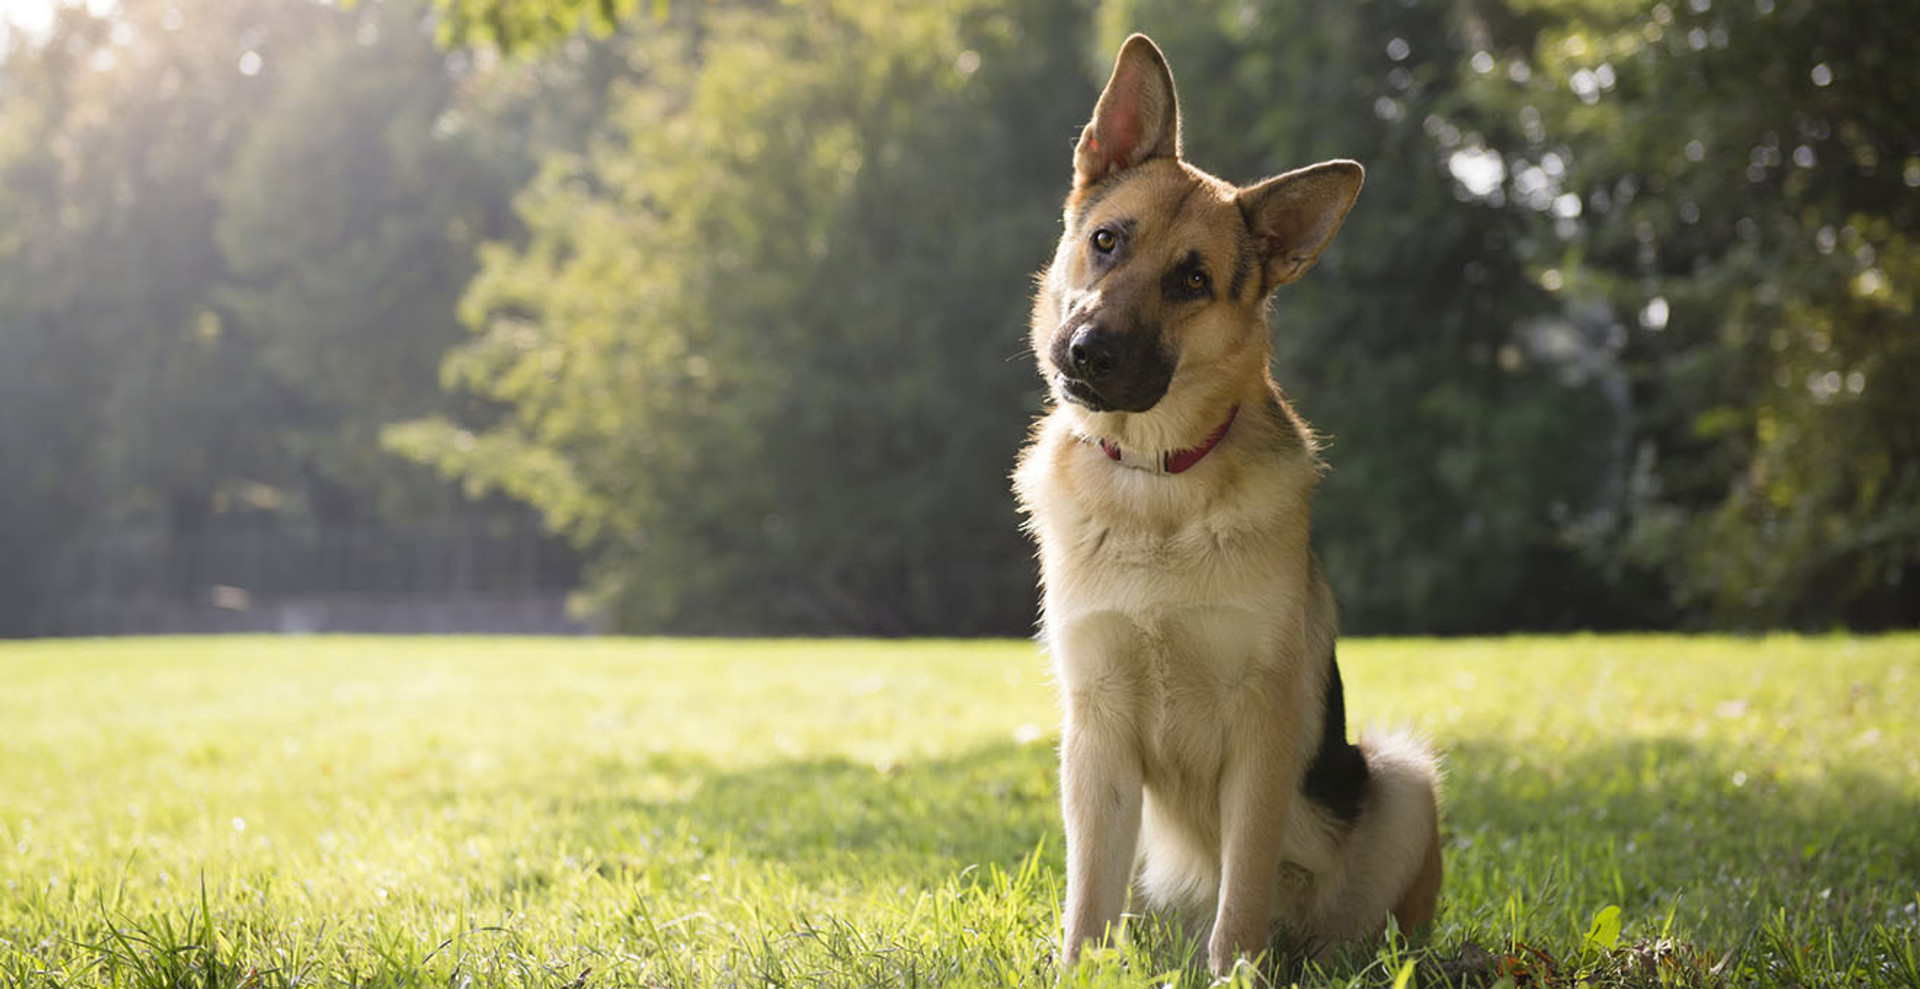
(1205, 761)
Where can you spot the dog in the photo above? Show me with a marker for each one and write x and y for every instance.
(1205, 765)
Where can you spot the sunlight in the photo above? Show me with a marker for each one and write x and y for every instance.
(32, 18)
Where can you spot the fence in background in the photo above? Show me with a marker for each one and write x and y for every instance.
(498, 573)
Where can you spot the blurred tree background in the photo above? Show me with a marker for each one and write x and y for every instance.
(731, 295)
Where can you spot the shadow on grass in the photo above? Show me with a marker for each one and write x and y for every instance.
(1635, 823)
(1649, 824)
(1743, 861)
(1726, 870)
(835, 820)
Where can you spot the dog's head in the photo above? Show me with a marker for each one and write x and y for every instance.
(1159, 285)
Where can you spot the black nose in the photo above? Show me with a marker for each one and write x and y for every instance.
(1091, 353)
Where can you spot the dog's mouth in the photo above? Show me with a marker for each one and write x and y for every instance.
(1082, 394)
(1132, 394)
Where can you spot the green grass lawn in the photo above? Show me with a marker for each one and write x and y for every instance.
(478, 812)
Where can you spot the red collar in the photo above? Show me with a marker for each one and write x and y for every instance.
(1178, 460)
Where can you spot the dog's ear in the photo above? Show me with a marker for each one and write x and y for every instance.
(1137, 118)
(1294, 216)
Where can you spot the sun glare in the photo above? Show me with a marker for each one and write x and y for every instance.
(33, 17)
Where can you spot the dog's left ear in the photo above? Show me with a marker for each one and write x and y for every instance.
(1137, 118)
(1294, 216)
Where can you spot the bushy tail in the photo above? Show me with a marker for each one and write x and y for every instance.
(1393, 852)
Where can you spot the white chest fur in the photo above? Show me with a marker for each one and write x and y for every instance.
(1170, 597)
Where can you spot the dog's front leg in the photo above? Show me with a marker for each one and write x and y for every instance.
(1100, 794)
(1254, 803)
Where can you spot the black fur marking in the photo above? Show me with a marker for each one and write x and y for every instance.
(1244, 263)
(1259, 262)
(1337, 778)
(1174, 283)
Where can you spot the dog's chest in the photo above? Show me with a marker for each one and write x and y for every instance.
(1156, 569)
(1169, 629)
(1172, 681)
(1190, 668)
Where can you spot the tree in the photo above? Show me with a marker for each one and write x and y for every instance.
(1741, 188)
(348, 223)
(523, 25)
(1460, 445)
(232, 236)
(118, 396)
(1620, 333)
(763, 350)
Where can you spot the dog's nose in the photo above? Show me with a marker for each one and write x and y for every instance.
(1091, 353)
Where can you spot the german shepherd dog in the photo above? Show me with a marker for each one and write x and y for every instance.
(1205, 762)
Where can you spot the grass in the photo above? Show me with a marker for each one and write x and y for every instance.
(253, 812)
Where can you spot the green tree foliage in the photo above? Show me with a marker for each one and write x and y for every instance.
(1460, 447)
(727, 319)
(1620, 333)
(231, 240)
(764, 346)
(1742, 190)
(349, 218)
(523, 25)
(119, 397)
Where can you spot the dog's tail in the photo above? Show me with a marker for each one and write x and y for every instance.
(1393, 852)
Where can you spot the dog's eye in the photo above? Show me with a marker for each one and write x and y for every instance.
(1195, 282)
(1104, 241)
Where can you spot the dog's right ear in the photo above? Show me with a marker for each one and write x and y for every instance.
(1137, 118)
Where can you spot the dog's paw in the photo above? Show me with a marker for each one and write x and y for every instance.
(1230, 970)
(1238, 936)
(1225, 954)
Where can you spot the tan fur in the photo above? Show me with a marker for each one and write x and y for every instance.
(1417, 906)
(1189, 622)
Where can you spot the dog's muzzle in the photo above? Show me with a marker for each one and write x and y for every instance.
(1107, 370)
